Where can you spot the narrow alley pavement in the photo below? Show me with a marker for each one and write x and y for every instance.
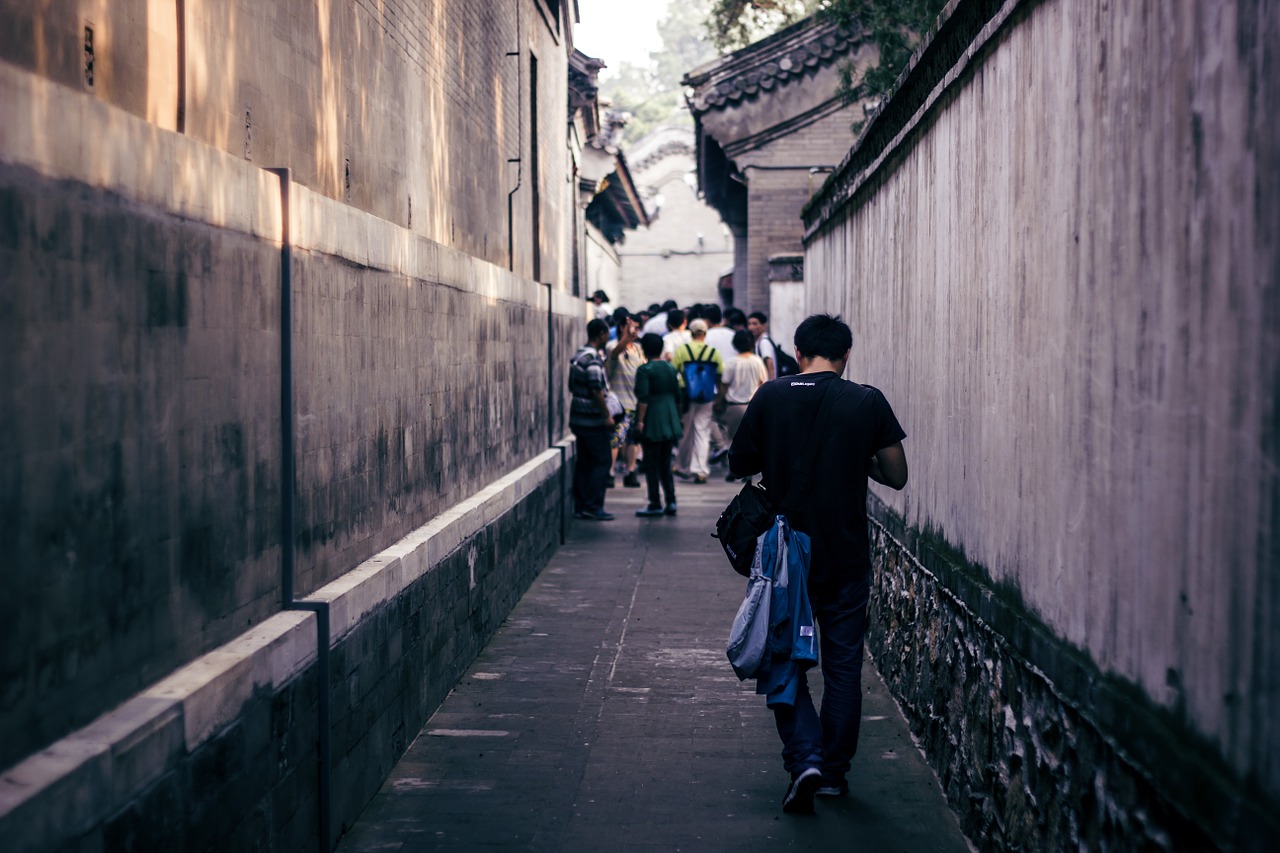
(605, 717)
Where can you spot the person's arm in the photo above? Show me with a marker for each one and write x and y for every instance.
(601, 404)
(765, 350)
(642, 397)
(889, 466)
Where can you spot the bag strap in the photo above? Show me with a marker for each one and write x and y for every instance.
(799, 490)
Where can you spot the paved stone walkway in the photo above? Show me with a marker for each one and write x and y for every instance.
(605, 717)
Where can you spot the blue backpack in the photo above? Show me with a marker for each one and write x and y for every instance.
(700, 375)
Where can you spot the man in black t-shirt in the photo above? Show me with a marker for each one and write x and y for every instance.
(862, 439)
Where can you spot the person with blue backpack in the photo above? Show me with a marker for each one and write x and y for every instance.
(699, 368)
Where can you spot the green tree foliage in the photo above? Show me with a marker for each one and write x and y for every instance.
(895, 26)
(734, 24)
(651, 92)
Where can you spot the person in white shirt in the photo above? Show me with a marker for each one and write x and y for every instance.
(743, 374)
(758, 325)
(719, 336)
(677, 335)
(657, 322)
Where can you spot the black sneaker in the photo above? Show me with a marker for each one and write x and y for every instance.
(631, 481)
(671, 508)
(649, 511)
(598, 515)
(799, 798)
(832, 788)
(610, 483)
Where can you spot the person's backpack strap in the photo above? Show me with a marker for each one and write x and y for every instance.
(795, 497)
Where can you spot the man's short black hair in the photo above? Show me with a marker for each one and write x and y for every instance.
(596, 328)
(735, 317)
(651, 343)
(744, 341)
(670, 305)
(675, 319)
(655, 308)
(619, 314)
(711, 313)
(823, 336)
(759, 315)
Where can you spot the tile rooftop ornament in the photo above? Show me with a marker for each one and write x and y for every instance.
(768, 64)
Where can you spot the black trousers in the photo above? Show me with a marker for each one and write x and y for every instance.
(591, 468)
(657, 470)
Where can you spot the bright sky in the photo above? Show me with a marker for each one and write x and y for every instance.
(618, 31)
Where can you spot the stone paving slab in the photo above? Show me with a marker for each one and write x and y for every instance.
(604, 716)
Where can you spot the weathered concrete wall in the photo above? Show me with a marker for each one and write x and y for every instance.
(1057, 248)
(140, 478)
(375, 104)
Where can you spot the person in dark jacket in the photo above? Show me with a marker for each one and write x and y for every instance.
(862, 440)
(592, 425)
(658, 421)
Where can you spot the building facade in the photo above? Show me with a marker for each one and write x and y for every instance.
(770, 125)
(686, 249)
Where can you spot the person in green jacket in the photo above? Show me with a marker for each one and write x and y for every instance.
(658, 421)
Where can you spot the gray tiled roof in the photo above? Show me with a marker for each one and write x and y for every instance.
(767, 64)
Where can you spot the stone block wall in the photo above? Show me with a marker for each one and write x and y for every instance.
(1053, 245)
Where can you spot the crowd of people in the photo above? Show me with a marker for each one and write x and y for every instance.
(632, 411)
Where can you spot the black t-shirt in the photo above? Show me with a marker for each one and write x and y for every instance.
(834, 514)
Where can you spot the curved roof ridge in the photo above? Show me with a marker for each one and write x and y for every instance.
(774, 61)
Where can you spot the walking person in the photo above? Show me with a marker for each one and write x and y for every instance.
(758, 325)
(622, 359)
(591, 424)
(862, 440)
(677, 333)
(743, 374)
(692, 462)
(658, 421)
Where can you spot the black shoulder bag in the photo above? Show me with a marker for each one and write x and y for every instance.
(750, 513)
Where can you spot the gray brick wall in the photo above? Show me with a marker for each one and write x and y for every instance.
(140, 477)
(140, 471)
(408, 109)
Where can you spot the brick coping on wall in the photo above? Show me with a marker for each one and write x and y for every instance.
(70, 787)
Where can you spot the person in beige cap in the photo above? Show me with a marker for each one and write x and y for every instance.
(699, 368)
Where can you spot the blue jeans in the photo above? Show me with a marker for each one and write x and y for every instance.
(591, 468)
(829, 740)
